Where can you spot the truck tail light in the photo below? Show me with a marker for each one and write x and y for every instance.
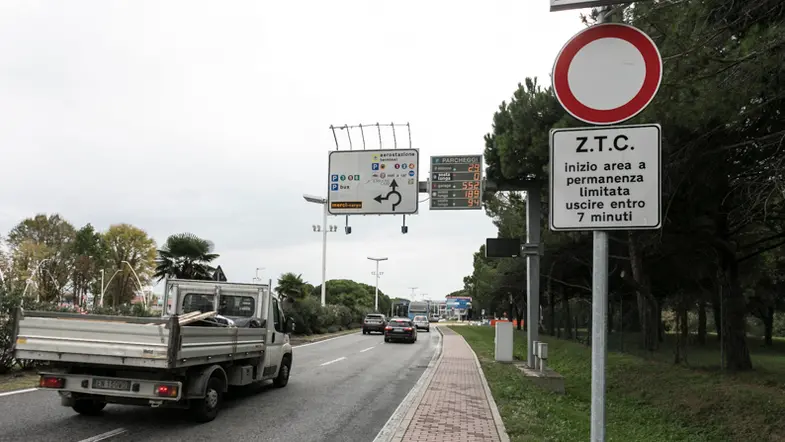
(165, 390)
(51, 382)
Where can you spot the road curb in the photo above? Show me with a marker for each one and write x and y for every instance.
(497, 419)
(398, 423)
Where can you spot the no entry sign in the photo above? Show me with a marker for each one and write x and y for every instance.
(607, 73)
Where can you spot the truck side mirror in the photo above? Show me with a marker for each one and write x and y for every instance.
(289, 325)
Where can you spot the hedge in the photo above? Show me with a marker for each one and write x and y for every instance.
(311, 318)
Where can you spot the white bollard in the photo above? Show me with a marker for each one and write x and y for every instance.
(503, 341)
(542, 351)
(536, 351)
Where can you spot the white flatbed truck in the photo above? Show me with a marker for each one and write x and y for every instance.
(173, 361)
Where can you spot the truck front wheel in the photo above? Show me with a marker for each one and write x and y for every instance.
(283, 373)
(206, 408)
(88, 407)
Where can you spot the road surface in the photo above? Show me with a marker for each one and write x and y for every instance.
(341, 390)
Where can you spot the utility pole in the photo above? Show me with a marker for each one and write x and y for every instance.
(376, 301)
(256, 278)
(323, 229)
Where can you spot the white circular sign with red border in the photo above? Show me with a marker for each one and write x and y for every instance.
(607, 73)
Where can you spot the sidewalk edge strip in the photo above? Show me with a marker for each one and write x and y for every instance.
(391, 432)
(403, 426)
(497, 419)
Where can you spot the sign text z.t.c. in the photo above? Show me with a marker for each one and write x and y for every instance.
(606, 178)
(373, 182)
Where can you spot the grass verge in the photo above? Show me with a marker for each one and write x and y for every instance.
(18, 380)
(646, 401)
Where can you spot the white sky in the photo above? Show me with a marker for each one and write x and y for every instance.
(212, 117)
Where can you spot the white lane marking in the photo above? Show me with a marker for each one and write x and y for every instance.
(104, 436)
(26, 390)
(324, 340)
(363, 351)
(333, 361)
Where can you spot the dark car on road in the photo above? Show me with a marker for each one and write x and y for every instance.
(400, 329)
(374, 322)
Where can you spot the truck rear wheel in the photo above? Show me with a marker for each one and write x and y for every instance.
(206, 408)
(88, 407)
(283, 373)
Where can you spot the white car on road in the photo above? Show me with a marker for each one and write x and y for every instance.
(421, 322)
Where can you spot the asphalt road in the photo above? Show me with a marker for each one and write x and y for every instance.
(343, 389)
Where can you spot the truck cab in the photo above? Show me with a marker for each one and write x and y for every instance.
(243, 305)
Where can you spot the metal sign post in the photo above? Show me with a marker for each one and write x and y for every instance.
(605, 178)
(533, 217)
(564, 5)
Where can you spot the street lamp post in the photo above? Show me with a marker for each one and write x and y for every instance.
(104, 287)
(376, 301)
(323, 229)
(139, 283)
(257, 279)
(32, 275)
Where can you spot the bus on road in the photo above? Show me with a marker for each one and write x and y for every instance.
(417, 308)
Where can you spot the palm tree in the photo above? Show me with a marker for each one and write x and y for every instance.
(185, 256)
(292, 286)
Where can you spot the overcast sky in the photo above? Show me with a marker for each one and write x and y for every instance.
(212, 117)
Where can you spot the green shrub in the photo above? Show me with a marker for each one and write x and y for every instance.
(311, 318)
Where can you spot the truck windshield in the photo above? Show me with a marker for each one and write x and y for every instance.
(232, 306)
(197, 302)
(237, 306)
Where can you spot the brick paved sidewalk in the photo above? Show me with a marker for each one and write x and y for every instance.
(455, 406)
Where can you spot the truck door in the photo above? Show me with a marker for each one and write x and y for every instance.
(275, 338)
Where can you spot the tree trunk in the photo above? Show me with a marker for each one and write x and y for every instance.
(565, 299)
(684, 326)
(737, 353)
(702, 319)
(648, 307)
(679, 338)
(551, 314)
(768, 325)
(716, 307)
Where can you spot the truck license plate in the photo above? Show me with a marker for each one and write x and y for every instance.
(111, 384)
